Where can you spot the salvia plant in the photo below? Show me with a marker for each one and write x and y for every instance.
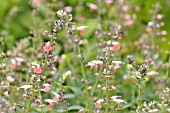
(81, 58)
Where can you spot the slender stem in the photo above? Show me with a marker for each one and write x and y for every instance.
(29, 105)
(40, 99)
(84, 77)
(95, 84)
(107, 96)
(96, 81)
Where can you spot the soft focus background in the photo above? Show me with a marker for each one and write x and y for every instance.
(22, 23)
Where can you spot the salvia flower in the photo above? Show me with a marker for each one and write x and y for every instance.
(81, 29)
(51, 102)
(118, 101)
(117, 65)
(116, 46)
(13, 63)
(37, 2)
(10, 79)
(47, 47)
(152, 73)
(56, 97)
(108, 2)
(92, 6)
(153, 110)
(61, 13)
(94, 63)
(98, 103)
(46, 88)
(25, 87)
(38, 69)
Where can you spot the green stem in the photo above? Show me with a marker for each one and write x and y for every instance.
(40, 99)
(84, 77)
(29, 105)
(96, 81)
(107, 96)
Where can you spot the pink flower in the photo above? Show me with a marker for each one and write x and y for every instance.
(56, 97)
(163, 32)
(98, 103)
(37, 2)
(121, 1)
(92, 6)
(47, 47)
(113, 87)
(94, 63)
(116, 46)
(152, 73)
(117, 65)
(68, 9)
(51, 102)
(38, 70)
(14, 64)
(80, 111)
(159, 16)
(108, 2)
(119, 101)
(10, 79)
(46, 88)
(25, 87)
(81, 29)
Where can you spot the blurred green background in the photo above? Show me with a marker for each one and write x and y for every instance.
(17, 20)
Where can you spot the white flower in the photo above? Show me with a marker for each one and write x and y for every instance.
(49, 100)
(114, 97)
(118, 101)
(19, 59)
(46, 84)
(100, 100)
(152, 73)
(153, 110)
(81, 27)
(26, 86)
(117, 62)
(61, 13)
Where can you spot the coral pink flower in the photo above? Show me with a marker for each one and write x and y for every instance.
(119, 101)
(94, 63)
(98, 103)
(14, 63)
(56, 97)
(37, 2)
(47, 47)
(81, 29)
(116, 46)
(152, 73)
(51, 102)
(46, 88)
(133, 80)
(38, 70)
(117, 65)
